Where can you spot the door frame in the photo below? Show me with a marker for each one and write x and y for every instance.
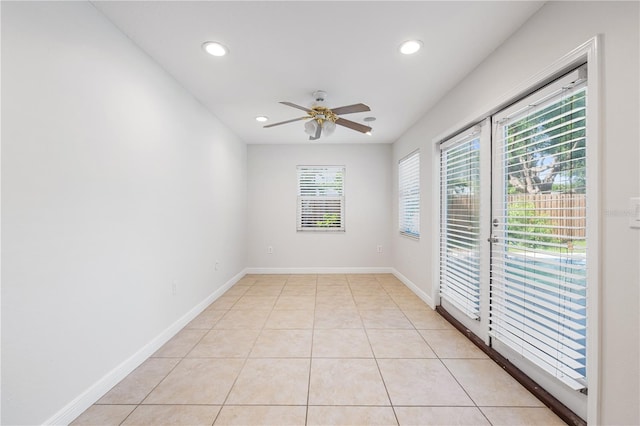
(591, 53)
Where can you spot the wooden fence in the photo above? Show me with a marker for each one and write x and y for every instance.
(566, 213)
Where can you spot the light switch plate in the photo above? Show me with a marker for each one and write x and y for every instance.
(634, 217)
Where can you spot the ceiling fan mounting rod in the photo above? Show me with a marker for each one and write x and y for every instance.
(320, 95)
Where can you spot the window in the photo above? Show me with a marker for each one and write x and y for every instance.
(320, 198)
(409, 195)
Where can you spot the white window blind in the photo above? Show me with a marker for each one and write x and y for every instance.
(409, 195)
(538, 265)
(320, 198)
(460, 222)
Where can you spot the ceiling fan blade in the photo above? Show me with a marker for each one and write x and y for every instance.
(288, 121)
(317, 135)
(295, 106)
(350, 109)
(353, 125)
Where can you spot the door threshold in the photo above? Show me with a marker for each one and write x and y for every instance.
(545, 397)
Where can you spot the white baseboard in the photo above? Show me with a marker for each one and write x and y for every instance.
(421, 294)
(322, 270)
(83, 401)
(348, 270)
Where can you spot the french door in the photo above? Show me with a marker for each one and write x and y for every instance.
(513, 246)
(464, 211)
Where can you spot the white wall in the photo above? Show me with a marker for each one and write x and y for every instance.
(555, 30)
(272, 207)
(115, 183)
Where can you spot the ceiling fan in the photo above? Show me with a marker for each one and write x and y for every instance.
(323, 120)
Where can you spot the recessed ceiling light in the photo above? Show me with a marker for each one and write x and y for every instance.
(410, 47)
(262, 118)
(214, 48)
(369, 119)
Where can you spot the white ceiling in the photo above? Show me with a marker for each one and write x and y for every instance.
(284, 51)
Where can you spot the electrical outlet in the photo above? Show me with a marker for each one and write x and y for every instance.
(216, 266)
(379, 249)
(174, 288)
(270, 250)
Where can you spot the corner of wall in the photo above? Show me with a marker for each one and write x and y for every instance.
(413, 287)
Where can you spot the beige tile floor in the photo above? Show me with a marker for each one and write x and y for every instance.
(318, 350)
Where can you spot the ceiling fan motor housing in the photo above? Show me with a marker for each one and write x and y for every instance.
(322, 114)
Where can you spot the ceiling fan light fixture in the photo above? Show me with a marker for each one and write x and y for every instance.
(328, 127)
(410, 47)
(310, 127)
(214, 48)
(262, 118)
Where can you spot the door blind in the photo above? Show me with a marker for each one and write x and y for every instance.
(409, 195)
(460, 223)
(320, 198)
(538, 264)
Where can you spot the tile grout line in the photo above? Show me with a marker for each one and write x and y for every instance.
(475, 404)
(445, 366)
(393, 408)
(313, 331)
(141, 403)
(355, 285)
(246, 359)
(375, 359)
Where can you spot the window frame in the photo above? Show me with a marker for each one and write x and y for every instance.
(318, 171)
(411, 194)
